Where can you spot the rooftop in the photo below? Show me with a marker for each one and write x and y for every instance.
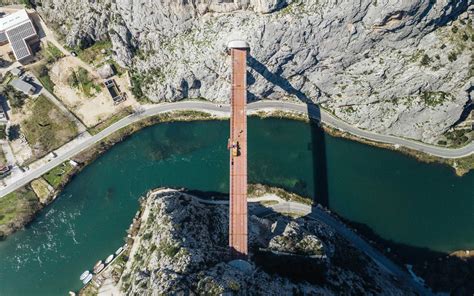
(23, 86)
(17, 28)
(13, 20)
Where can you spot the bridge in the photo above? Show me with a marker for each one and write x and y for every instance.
(238, 151)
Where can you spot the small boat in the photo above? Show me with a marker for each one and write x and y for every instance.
(97, 264)
(87, 279)
(119, 250)
(84, 275)
(109, 259)
(99, 268)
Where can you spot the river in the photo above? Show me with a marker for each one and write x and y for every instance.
(412, 203)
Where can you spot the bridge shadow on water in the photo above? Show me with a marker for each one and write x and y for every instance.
(441, 272)
(320, 192)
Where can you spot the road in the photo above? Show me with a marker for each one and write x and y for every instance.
(316, 213)
(223, 110)
(320, 215)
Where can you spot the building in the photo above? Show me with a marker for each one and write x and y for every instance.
(18, 30)
(17, 71)
(23, 86)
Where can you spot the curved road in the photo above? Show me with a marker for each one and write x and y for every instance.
(316, 213)
(151, 110)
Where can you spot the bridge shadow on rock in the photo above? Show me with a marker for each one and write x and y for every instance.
(317, 146)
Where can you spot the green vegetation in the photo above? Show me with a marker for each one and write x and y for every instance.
(47, 128)
(82, 80)
(52, 53)
(139, 81)
(95, 53)
(59, 175)
(111, 120)
(434, 98)
(16, 98)
(425, 60)
(258, 190)
(458, 138)
(41, 71)
(16, 209)
(169, 249)
(41, 188)
(3, 131)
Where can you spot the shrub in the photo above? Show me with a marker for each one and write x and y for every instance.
(452, 56)
(425, 60)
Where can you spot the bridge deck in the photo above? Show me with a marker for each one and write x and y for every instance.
(238, 164)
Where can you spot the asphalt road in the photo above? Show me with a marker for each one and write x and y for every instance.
(318, 214)
(151, 110)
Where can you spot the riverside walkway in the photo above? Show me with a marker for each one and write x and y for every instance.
(19, 180)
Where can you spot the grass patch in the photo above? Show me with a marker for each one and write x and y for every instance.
(47, 128)
(81, 80)
(94, 54)
(52, 53)
(40, 187)
(41, 71)
(258, 190)
(111, 120)
(59, 175)
(3, 159)
(16, 209)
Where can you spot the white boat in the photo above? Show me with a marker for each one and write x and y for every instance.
(87, 279)
(119, 250)
(84, 275)
(109, 259)
(99, 268)
(97, 264)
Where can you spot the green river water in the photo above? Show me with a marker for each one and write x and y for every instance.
(412, 203)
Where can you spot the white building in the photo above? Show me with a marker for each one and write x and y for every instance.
(18, 30)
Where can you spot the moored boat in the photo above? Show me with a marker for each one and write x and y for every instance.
(87, 279)
(119, 250)
(99, 268)
(109, 259)
(84, 275)
(98, 263)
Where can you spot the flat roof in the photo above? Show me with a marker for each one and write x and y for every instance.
(17, 27)
(13, 19)
(22, 85)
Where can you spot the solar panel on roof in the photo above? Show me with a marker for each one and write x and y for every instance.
(17, 38)
(3, 37)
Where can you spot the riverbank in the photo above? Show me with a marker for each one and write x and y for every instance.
(461, 166)
(21, 207)
(27, 211)
(176, 233)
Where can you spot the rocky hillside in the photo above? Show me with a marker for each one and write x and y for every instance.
(396, 67)
(180, 248)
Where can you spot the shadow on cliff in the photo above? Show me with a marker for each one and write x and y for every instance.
(317, 145)
(441, 272)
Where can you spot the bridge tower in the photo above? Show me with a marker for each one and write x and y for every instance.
(238, 230)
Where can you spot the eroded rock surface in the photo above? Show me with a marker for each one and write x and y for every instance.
(181, 248)
(394, 67)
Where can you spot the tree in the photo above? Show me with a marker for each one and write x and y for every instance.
(72, 80)
(17, 99)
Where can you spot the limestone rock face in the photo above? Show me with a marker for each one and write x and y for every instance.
(181, 249)
(377, 64)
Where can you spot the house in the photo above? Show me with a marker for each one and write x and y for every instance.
(23, 86)
(18, 30)
(17, 71)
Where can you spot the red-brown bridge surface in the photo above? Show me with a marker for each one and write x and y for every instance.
(238, 158)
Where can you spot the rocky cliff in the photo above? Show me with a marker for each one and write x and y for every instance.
(180, 248)
(396, 67)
